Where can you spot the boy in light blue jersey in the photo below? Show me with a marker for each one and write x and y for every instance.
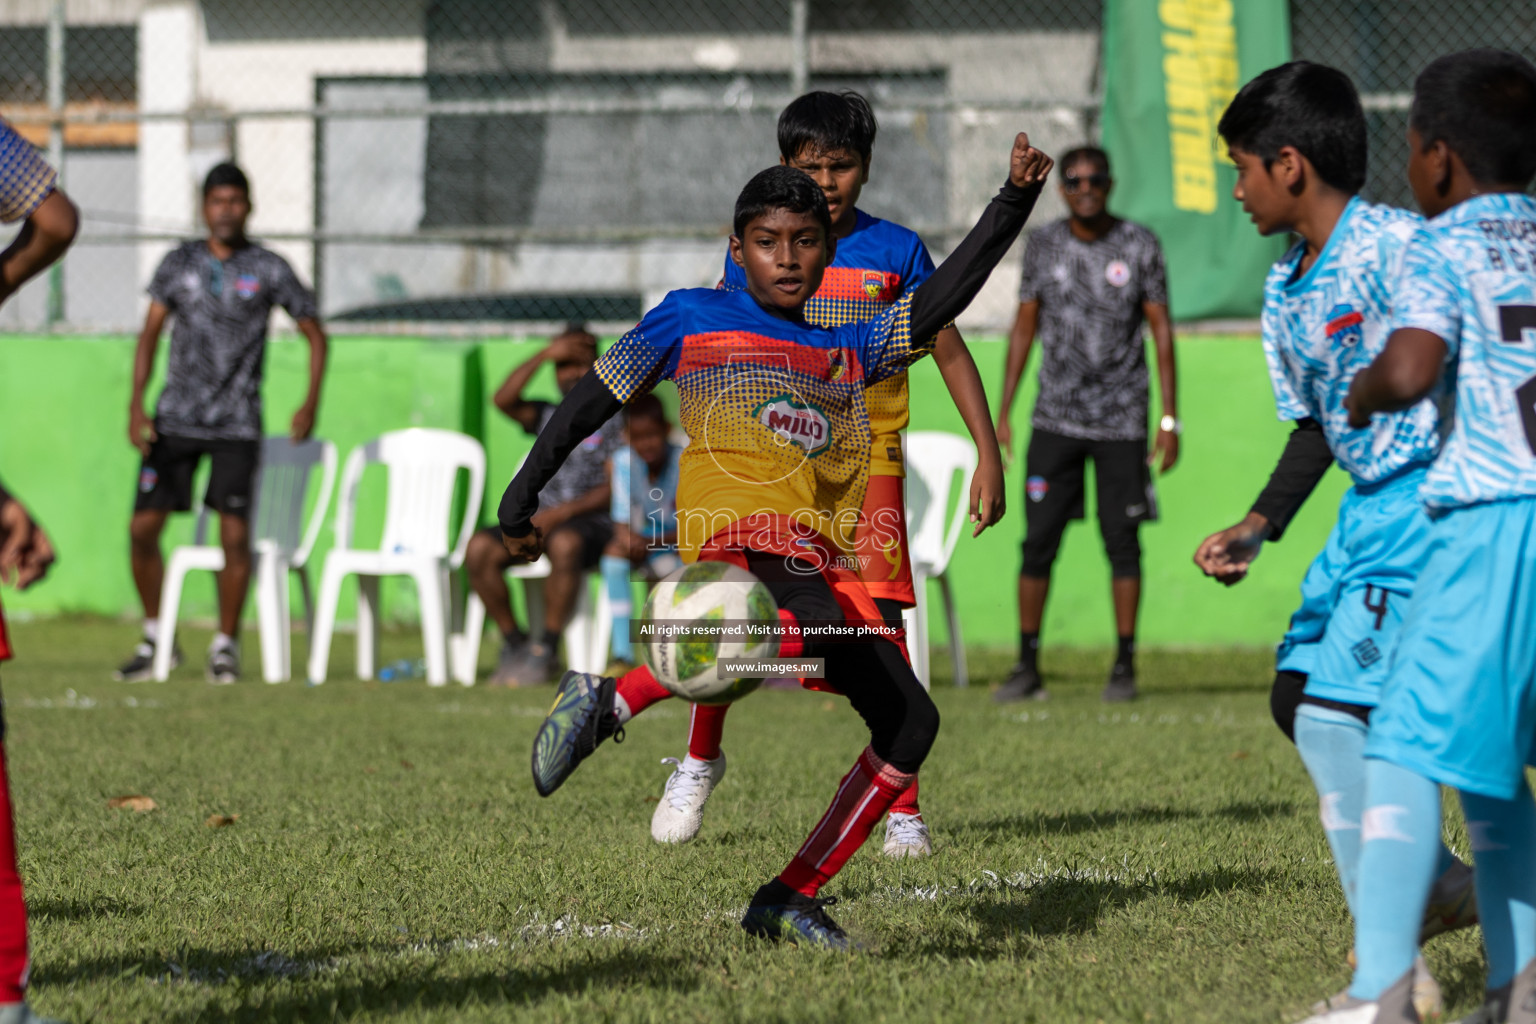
(1459, 704)
(1297, 134)
(643, 507)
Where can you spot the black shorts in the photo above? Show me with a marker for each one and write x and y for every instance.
(1053, 495)
(165, 475)
(594, 529)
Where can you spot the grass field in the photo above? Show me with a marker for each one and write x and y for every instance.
(1153, 862)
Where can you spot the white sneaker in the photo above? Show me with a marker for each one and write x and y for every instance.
(906, 835)
(681, 810)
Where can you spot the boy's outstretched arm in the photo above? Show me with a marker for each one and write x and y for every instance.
(1227, 554)
(585, 409)
(1404, 372)
(955, 283)
(961, 377)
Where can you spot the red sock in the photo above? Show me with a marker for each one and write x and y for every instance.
(906, 803)
(792, 643)
(13, 912)
(862, 799)
(638, 690)
(705, 729)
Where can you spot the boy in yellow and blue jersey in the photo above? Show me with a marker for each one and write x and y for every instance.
(1458, 707)
(831, 137)
(773, 480)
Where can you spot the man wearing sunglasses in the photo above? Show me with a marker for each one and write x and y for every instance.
(1089, 282)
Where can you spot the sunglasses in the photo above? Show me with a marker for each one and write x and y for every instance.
(1075, 183)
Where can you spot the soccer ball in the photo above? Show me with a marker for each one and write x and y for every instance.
(703, 593)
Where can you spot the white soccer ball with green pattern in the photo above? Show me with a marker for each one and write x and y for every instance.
(708, 594)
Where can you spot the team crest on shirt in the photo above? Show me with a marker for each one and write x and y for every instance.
(1036, 487)
(1344, 325)
(1117, 273)
(874, 283)
(247, 285)
(795, 422)
(837, 364)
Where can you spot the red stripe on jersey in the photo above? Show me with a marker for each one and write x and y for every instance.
(721, 348)
(1347, 320)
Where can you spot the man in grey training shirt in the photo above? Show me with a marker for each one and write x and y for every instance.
(220, 292)
(1089, 281)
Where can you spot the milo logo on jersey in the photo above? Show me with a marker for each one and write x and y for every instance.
(795, 422)
(1343, 326)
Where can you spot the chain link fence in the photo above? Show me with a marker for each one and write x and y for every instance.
(467, 162)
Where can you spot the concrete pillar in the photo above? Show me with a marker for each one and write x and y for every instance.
(169, 32)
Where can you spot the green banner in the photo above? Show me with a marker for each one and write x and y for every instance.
(1170, 69)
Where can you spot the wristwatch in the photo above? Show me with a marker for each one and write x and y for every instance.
(1170, 424)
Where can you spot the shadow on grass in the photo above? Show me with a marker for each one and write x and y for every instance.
(43, 911)
(1068, 905)
(320, 989)
(326, 999)
(1076, 822)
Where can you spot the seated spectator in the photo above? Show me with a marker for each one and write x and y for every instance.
(644, 511)
(573, 517)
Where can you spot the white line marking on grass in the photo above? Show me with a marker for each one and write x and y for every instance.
(272, 965)
(1022, 882)
(73, 701)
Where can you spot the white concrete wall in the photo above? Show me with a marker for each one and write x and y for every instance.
(181, 67)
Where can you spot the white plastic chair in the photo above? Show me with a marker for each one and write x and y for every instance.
(934, 460)
(586, 637)
(280, 544)
(423, 466)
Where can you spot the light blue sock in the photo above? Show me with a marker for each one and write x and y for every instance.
(1332, 746)
(621, 602)
(1399, 849)
(1504, 847)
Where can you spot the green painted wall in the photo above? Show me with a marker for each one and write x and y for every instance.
(63, 447)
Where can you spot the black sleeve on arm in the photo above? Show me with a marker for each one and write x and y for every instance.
(5, 495)
(1302, 464)
(585, 409)
(955, 283)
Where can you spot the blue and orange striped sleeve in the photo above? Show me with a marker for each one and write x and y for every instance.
(25, 177)
(647, 354)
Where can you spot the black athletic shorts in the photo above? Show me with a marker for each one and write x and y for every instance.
(165, 475)
(595, 530)
(1053, 495)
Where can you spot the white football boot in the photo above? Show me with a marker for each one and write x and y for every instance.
(906, 835)
(681, 809)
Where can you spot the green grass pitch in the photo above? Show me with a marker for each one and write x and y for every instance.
(1159, 861)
